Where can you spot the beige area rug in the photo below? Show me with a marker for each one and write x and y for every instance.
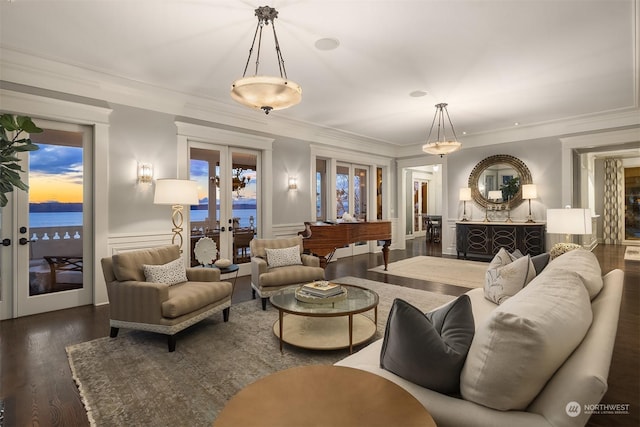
(469, 274)
(132, 380)
(632, 253)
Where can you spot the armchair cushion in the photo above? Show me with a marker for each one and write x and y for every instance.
(290, 275)
(171, 273)
(128, 265)
(187, 298)
(283, 257)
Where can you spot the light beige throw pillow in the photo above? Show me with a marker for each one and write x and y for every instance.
(525, 340)
(507, 275)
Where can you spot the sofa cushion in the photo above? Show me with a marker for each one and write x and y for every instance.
(128, 265)
(291, 275)
(585, 264)
(188, 297)
(170, 273)
(283, 257)
(428, 349)
(258, 246)
(525, 340)
(507, 275)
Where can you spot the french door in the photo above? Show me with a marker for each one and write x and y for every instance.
(352, 195)
(229, 211)
(45, 232)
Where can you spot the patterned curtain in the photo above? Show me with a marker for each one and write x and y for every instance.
(613, 218)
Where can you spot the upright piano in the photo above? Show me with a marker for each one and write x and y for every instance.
(322, 238)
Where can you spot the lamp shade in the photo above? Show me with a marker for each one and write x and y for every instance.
(176, 192)
(529, 191)
(495, 195)
(465, 194)
(569, 221)
(266, 92)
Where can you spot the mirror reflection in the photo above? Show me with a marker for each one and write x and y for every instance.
(499, 182)
(496, 181)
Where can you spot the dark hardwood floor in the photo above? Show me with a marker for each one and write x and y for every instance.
(36, 387)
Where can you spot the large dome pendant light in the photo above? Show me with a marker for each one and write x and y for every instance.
(266, 93)
(441, 145)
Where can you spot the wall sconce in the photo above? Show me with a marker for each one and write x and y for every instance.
(293, 183)
(145, 173)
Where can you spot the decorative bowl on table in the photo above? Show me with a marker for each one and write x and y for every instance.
(222, 263)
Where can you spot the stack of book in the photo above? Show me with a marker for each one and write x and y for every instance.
(322, 289)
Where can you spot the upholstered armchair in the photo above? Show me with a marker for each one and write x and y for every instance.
(280, 263)
(155, 305)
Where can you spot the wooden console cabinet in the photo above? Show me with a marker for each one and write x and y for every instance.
(484, 239)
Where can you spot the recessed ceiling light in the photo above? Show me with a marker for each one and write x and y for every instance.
(418, 93)
(327, 44)
(464, 132)
(516, 123)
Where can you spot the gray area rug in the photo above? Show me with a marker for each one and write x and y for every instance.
(132, 380)
(469, 274)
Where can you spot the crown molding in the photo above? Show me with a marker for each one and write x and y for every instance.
(24, 69)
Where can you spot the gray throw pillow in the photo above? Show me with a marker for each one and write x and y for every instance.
(428, 349)
(540, 261)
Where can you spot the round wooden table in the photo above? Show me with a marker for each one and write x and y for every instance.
(321, 396)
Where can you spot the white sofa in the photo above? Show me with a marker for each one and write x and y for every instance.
(582, 378)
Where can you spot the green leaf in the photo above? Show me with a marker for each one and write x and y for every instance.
(3, 200)
(14, 166)
(7, 122)
(27, 147)
(26, 124)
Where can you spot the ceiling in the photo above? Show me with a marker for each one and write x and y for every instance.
(496, 63)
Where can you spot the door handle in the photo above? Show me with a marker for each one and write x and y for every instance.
(6, 242)
(22, 241)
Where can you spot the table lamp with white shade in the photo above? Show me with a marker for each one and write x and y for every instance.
(465, 195)
(177, 193)
(569, 221)
(529, 191)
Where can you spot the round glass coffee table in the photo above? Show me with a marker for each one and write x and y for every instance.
(326, 326)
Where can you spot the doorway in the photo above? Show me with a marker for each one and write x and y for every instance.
(229, 210)
(46, 231)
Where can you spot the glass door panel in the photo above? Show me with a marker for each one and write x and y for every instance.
(205, 218)
(632, 203)
(56, 214)
(342, 190)
(360, 190)
(244, 172)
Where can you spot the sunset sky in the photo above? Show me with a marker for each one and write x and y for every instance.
(55, 174)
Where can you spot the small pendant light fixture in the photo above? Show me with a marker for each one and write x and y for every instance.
(441, 145)
(266, 92)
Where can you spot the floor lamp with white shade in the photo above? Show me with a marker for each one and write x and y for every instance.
(177, 193)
